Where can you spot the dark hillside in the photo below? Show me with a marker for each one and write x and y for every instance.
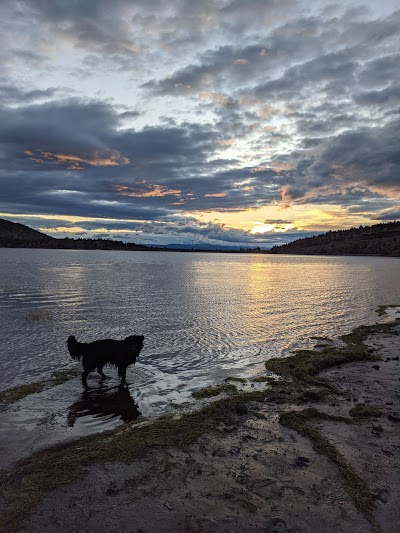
(14, 235)
(380, 239)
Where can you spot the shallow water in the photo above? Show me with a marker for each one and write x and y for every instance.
(204, 317)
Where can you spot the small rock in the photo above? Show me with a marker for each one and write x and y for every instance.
(219, 452)
(234, 450)
(377, 428)
(302, 462)
(112, 490)
(241, 409)
(394, 418)
(389, 403)
(376, 367)
(395, 358)
(248, 437)
(381, 495)
(355, 399)
(276, 525)
(387, 452)
(242, 478)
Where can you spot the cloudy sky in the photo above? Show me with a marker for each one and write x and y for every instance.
(235, 122)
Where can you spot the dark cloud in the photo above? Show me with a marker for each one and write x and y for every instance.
(390, 96)
(10, 94)
(389, 214)
(368, 158)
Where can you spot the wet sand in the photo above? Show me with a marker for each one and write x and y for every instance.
(251, 472)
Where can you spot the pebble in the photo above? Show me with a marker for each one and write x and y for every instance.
(276, 525)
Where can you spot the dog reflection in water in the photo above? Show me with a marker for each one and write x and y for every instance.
(110, 403)
(96, 354)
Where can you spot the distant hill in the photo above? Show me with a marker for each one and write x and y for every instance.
(380, 239)
(14, 235)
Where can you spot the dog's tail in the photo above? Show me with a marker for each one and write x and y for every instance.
(73, 348)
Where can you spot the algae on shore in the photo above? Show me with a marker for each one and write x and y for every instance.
(300, 421)
(207, 392)
(15, 394)
(304, 365)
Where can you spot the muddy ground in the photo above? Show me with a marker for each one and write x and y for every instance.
(251, 473)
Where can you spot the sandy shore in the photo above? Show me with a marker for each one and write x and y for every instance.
(250, 471)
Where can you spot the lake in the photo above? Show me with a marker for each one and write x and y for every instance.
(205, 317)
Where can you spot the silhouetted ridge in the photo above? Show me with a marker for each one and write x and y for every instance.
(379, 239)
(14, 235)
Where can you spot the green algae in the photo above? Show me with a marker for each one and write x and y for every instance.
(264, 379)
(10, 396)
(15, 394)
(208, 392)
(304, 365)
(234, 378)
(363, 410)
(300, 421)
(61, 376)
(41, 315)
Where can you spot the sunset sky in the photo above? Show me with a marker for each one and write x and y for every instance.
(230, 122)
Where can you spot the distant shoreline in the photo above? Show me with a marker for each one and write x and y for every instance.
(194, 250)
(379, 240)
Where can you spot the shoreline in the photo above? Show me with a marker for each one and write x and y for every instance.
(242, 461)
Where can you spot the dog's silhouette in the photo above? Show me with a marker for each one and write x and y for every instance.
(107, 351)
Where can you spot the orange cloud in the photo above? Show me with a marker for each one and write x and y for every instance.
(218, 98)
(97, 159)
(146, 190)
(215, 195)
(243, 186)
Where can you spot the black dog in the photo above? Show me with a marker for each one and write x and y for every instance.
(98, 353)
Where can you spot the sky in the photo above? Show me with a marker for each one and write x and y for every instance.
(227, 122)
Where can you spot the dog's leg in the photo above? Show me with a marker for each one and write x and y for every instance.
(122, 374)
(100, 371)
(84, 376)
(87, 368)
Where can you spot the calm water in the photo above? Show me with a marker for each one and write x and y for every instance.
(204, 317)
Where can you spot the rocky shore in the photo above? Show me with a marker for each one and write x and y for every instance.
(315, 451)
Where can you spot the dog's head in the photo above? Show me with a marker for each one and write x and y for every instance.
(135, 339)
(136, 342)
(73, 347)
